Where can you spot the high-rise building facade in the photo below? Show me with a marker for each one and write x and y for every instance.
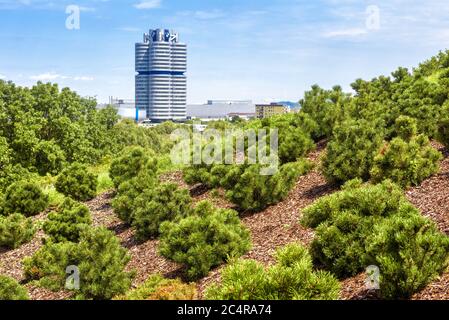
(161, 85)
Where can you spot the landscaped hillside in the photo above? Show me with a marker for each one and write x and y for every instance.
(363, 181)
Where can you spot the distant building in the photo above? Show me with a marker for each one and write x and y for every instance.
(126, 108)
(230, 102)
(219, 109)
(267, 110)
(161, 85)
(241, 115)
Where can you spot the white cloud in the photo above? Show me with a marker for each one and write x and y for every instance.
(148, 4)
(2, 77)
(129, 29)
(52, 76)
(48, 76)
(83, 78)
(354, 32)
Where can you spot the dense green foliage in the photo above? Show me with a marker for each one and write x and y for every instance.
(408, 159)
(376, 225)
(246, 185)
(130, 164)
(77, 182)
(10, 289)
(25, 198)
(154, 206)
(100, 259)
(325, 107)
(291, 278)
(204, 239)
(15, 230)
(351, 151)
(250, 190)
(67, 222)
(157, 287)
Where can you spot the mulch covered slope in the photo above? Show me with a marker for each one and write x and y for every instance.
(270, 229)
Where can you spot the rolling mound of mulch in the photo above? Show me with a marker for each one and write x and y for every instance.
(270, 229)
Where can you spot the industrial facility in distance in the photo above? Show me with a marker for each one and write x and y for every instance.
(161, 84)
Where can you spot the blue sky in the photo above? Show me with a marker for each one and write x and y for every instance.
(237, 49)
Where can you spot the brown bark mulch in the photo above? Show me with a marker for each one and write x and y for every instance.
(270, 229)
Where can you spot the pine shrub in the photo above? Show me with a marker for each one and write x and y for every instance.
(351, 151)
(408, 159)
(154, 206)
(250, 190)
(10, 289)
(25, 198)
(77, 182)
(204, 239)
(130, 164)
(15, 230)
(375, 225)
(291, 278)
(125, 202)
(67, 223)
(294, 144)
(48, 264)
(102, 262)
(100, 259)
(157, 287)
(410, 253)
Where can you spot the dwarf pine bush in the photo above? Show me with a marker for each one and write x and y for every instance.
(99, 257)
(409, 251)
(350, 153)
(125, 202)
(154, 206)
(408, 159)
(131, 163)
(250, 190)
(204, 239)
(67, 222)
(15, 230)
(25, 198)
(156, 287)
(77, 182)
(376, 225)
(291, 278)
(10, 289)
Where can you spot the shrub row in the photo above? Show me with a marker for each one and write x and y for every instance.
(357, 150)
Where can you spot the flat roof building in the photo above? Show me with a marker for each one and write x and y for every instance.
(267, 110)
